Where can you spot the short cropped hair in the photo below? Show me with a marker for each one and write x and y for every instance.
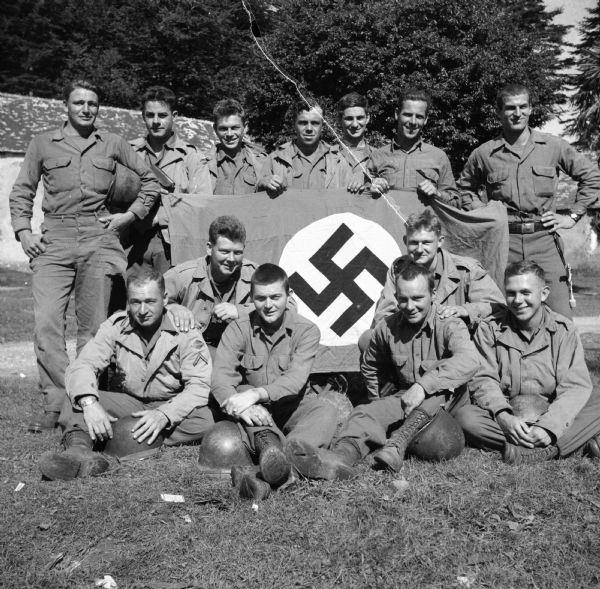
(227, 226)
(409, 271)
(352, 100)
(81, 83)
(414, 94)
(159, 94)
(144, 276)
(267, 274)
(426, 220)
(302, 106)
(524, 267)
(511, 90)
(228, 107)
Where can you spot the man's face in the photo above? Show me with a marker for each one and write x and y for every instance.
(411, 118)
(354, 122)
(270, 301)
(422, 247)
(525, 294)
(308, 127)
(159, 119)
(414, 298)
(514, 115)
(225, 257)
(230, 131)
(146, 304)
(82, 108)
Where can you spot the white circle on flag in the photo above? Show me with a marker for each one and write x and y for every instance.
(363, 238)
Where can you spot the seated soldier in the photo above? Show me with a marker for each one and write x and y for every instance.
(162, 377)
(261, 371)
(532, 398)
(305, 163)
(417, 361)
(213, 290)
(234, 162)
(462, 287)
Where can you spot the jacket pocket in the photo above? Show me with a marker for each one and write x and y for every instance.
(544, 179)
(103, 170)
(57, 174)
(252, 363)
(498, 185)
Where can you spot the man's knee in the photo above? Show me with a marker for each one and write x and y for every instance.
(469, 418)
(193, 428)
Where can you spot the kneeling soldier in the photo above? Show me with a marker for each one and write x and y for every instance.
(416, 362)
(260, 378)
(162, 377)
(533, 397)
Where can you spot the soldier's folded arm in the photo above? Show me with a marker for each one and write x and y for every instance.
(472, 179)
(374, 362)
(226, 374)
(485, 297)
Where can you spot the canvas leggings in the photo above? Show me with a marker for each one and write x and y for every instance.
(81, 255)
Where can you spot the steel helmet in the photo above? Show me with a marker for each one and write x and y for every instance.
(123, 446)
(440, 439)
(222, 447)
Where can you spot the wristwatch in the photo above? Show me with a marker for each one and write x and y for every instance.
(575, 216)
(87, 400)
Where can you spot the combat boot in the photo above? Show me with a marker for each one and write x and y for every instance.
(319, 463)
(78, 459)
(520, 455)
(592, 447)
(391, 455)
(274, 465)
(251, 487)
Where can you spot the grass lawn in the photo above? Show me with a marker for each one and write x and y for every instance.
(473, 522)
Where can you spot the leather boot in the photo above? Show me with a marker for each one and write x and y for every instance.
(78, 460)
(45, 420)
(592, 447)
(520, 455)
(319, 463)
(274, 465)
(391, 455)
(251, 487)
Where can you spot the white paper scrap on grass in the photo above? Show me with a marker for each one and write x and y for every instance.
(172, 498)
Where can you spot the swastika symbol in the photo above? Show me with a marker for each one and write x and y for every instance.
(341, 280)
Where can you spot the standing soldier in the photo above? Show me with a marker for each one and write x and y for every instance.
(179, 167)
(79, 246)
(234, 162)
(408, 163)
(520, 168)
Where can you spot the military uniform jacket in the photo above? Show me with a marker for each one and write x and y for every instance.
(440, 356)
(241, 176)
(527, 183)
(280, 362)
(551, 365)
(460, 281)
(77, 176)
(188, 284)
(287, 161)
(175, 370)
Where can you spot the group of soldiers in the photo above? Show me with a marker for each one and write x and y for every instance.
(219, 338)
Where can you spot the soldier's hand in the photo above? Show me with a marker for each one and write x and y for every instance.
(379, 186)
(257, 415)
(539, 436)
(412, 398)
(553, 221)
(238, 403)
(98, 422)
(225, 311)
(356, 187)
(453, 311)
(274, 184)
(515, 429)
(150, 423)
(33, 245)
(117, 221)
(182, 317)
(428, 189)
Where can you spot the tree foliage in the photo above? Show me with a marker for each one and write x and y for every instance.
(459, 50)
(586, 99)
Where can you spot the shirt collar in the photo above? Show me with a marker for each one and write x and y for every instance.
(418, 145)
(59, 134)
(165, 325)
(288, 324)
